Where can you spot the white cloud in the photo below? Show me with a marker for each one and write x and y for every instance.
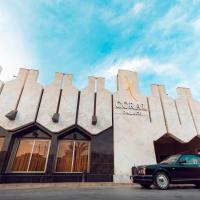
(144, 65)
(168, 73)
(192, 83)
(14, 51)
(175, 18)
(125, 17)
(137, 8)
(196, 25)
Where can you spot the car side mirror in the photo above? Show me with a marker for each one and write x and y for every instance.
(182, 162)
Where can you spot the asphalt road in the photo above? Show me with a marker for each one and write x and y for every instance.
(101, 193)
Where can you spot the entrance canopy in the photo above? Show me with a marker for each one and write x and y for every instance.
(168, 145)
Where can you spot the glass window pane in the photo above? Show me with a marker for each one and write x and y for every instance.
(1, 143)
(23, 155)
(64, 157)
(198, 159)
(39, 155)
(81, 157)
(190, 159)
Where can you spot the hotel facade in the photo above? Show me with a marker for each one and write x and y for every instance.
(57, 133)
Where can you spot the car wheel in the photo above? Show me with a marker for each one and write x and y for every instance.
(197, 185)
(146, 186)
(161, 181)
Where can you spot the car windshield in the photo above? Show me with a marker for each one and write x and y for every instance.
(170, 160)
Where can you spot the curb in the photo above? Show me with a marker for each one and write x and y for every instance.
(62, 185)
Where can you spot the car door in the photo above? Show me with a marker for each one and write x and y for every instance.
(186, 169)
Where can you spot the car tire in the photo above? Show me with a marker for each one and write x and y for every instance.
(146, 186)
(197, 185)
(161, 181)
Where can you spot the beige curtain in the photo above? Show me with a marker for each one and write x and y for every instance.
(64, 157)
(81, 157)
(31, 155)
(1, 143)
(72, 156)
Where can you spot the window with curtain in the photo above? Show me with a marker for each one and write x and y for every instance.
(72, 156)
(65, 155)
(31, 155)
(1, 143)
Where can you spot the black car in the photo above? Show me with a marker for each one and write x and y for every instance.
(176, 169)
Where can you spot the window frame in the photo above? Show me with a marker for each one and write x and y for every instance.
(189, 155)
(27, 171)
(73, 156)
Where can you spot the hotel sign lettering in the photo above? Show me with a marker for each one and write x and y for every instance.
(130, 108)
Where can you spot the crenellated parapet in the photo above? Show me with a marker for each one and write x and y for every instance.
(19, 100)
(95, 107)
(58, 106)
(193, 105)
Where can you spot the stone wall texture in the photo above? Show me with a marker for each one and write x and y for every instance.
(137, 120)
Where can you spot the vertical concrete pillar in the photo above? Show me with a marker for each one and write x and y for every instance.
(95, 99)
(132, 127)
(60, 100)
(10, 97)
(49, 103)
(5, 153)
(193, 110)
(128, 80)
(52, 155)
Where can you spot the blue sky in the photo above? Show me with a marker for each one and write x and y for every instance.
(158, 38)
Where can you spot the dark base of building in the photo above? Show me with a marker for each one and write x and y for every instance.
(50, 178)
(98, 167)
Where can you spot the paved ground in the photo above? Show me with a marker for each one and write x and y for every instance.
(99, 193)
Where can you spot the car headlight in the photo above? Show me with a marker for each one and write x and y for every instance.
(142, 171)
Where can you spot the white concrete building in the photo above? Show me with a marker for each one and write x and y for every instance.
(58, 133)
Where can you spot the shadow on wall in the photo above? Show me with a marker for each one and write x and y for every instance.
(168, 145)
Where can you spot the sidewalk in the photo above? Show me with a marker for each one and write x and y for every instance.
(62, 185)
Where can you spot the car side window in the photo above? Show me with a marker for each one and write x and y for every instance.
(198, 159)
(190, 159)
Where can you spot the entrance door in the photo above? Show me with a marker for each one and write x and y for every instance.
(73, 156)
